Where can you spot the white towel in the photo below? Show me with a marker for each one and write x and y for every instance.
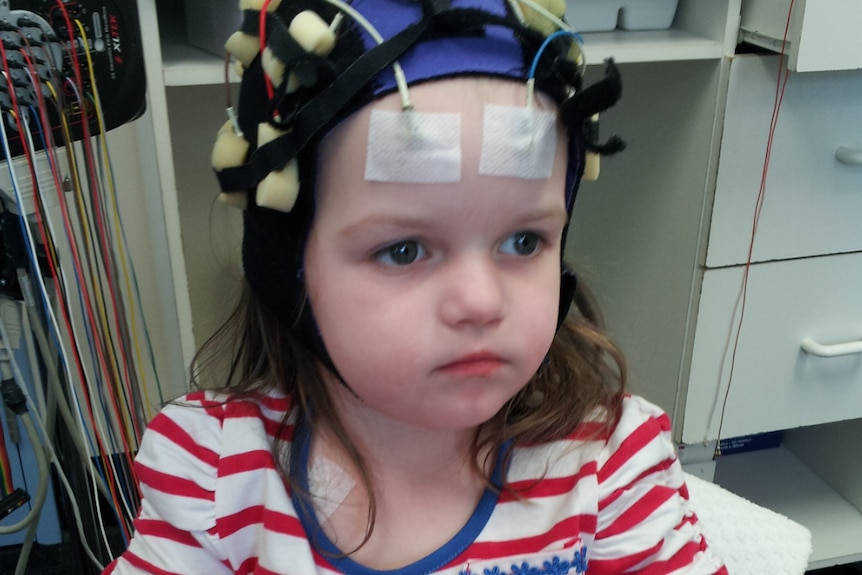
(751, 539)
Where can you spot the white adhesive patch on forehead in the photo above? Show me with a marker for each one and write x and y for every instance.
(519, 142)
(413, 147)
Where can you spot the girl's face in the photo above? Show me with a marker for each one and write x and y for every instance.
(437, 302)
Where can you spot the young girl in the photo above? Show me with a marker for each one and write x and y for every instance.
(408, 391)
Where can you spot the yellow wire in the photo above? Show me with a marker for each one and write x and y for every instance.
(53, 91)
(117, 231)
(106, 461)
(96, 286)
(114, 362)
(78, 194)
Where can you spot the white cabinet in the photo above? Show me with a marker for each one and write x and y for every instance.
(821, 34)
(809, 212)
(776, 385)
(813, 193)
(761, 351)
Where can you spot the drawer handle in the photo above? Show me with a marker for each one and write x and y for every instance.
(836, 349)
(850, 156)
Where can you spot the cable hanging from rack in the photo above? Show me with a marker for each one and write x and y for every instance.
(79, 290)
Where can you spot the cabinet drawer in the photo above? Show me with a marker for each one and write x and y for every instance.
(813, 200)
(823, 35)
(776, 385)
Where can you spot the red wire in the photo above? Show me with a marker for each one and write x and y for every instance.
(780, 88)
(17, 110)
(102, 237)
(43, 234)
(6, 485)
(270, 91)
(88, 305)
(88, 309)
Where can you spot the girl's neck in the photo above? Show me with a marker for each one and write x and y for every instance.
(425, 483)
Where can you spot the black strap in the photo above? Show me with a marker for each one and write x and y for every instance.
(317, 113)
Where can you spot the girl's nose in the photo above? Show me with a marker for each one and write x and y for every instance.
(473, 292)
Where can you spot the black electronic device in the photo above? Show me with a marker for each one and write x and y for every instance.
(67, 44)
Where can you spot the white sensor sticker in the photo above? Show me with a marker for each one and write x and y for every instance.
(413, 147)
(329, 485)
(519, 142)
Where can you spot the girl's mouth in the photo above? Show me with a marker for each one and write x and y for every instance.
(478, 364)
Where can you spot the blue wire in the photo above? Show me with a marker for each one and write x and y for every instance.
(544, 45)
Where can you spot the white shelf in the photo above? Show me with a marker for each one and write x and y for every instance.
(649, 46)
(184, 65)
(778, 480)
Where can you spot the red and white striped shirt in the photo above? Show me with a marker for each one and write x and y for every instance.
(214, 502)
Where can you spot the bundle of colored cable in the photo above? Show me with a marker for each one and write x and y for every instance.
(78, 281)
(10, 497)
(6, 486)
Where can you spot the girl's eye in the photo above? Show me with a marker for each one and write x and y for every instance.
(521, 244)
(401, 254)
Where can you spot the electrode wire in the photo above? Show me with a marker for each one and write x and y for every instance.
(92, 230)
(92, 418)
(60, 286)
(106, 356)
(86, 306)
(128, 273)
(117, 239)
(400, 78)
(110, 392)
(76, 187)
(31, 253)
(76, 512)
(128, 394)
(104, 432)
(133, 288)
(735, 333)
(32, 147)
(531, 75)
(95, 421)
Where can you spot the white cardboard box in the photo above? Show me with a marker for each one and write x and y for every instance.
(606, 15)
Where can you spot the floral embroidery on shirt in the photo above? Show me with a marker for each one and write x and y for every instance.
(554, 566)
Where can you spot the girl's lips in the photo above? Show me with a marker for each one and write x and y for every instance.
(474, 365)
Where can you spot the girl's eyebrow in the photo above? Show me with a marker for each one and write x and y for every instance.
(373, 221)
(556, 214)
